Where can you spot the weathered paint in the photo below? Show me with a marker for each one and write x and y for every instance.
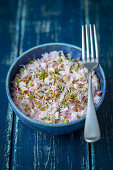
(8, 50)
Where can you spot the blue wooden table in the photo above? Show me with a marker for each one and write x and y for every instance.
(27, 23)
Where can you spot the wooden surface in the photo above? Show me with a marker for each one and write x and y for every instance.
(24, 24)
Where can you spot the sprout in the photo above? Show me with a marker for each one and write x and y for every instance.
(54, 78)
(30, 95)
(57, 71)
(78, 108)
(60, 61)
(81, 86)
(36, 91)
(26, 78)
(38, 105)
(22, 69)
(28, 107)
(59, 87)
(99, 86)
(31, 61)
(71, 85)
(19, 80)
(53, 94)
(74, 67)
(60, 54)
(30, 83)
(64, 103)
(17, 75)
(22, 92)
(41, 76)
(70, 95)
(64, 121)
(75, 97)
(54, 121)
(43, 109)
(20, 96)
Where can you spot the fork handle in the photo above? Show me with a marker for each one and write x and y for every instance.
(92, 129)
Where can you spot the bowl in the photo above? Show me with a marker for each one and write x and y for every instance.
(34, 53)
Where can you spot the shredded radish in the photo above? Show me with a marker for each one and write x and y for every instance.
(54, 89)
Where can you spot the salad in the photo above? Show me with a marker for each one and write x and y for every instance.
(54, 89)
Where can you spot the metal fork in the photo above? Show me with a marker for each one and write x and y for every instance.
(91, 130)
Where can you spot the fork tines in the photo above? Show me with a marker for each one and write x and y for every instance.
(92, 34)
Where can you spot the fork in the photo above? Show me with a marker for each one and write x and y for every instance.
(92, 129)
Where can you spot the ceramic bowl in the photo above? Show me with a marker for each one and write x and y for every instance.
(35, 53)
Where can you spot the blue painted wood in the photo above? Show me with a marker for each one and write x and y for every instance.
(8, 51)
(44, 22)
(101, 13)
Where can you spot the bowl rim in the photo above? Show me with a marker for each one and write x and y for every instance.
(36, 122)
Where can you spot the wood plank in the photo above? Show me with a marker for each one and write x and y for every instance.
(100, 13)
(44, 22)
(8, 50)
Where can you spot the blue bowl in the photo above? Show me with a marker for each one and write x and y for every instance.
(35, 53)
